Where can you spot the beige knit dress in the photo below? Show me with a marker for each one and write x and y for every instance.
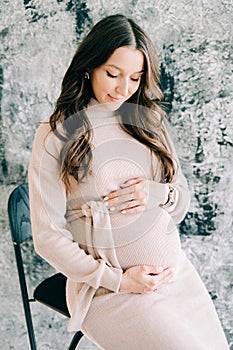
(78, 235)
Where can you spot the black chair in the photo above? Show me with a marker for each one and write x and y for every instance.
(51, 291)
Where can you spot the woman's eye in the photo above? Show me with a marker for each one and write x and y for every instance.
(111, 75)
(135, 79)
(116, 76)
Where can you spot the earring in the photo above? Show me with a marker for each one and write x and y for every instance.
(87, 75)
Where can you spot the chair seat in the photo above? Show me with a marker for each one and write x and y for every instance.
(51, 292)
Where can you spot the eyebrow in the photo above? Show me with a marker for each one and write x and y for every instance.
(112, 65)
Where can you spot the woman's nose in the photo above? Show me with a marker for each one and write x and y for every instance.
(123, 87)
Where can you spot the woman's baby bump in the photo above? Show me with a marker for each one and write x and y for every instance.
(152, 239)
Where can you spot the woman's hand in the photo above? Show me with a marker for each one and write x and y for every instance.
(135, 195)
(145, 279)
(130, 198)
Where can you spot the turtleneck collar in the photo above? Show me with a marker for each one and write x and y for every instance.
(97, 110)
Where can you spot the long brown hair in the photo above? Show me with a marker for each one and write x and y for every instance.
(140, 120)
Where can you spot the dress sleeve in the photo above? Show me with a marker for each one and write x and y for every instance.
(182, 194)
(160, 191)
(52, 240)
(182, 198)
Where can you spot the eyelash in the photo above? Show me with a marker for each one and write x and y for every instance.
(115, 76)
(110, 75)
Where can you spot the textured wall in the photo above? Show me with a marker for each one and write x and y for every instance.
(194, 42)
(195, 49)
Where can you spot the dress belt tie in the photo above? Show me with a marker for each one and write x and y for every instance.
(99, 241)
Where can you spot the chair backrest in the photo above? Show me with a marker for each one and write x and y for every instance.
(20, 224)
(19, 214)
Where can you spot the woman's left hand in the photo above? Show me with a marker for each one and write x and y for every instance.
(130, 198)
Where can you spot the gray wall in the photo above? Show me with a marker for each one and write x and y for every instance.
(194, 42)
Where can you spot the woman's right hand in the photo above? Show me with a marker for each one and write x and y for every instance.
(145, 279)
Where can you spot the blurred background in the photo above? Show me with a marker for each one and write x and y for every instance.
(195, 49)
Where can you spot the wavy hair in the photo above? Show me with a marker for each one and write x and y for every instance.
(144, 124)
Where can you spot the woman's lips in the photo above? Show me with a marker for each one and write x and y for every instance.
(116, 99)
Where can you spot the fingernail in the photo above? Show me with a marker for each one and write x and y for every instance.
(112, 208)
(106, 198)
(123, 212)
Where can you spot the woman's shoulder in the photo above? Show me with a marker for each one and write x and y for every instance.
(42, 132)
(47, 139)
(42, 129)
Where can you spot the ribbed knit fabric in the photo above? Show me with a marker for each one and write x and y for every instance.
(91, 245)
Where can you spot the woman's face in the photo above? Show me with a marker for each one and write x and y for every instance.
(119, 77)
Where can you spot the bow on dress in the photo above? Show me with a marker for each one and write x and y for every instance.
(98, 238)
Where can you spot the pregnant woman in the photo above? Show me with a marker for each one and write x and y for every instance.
(106, 193)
